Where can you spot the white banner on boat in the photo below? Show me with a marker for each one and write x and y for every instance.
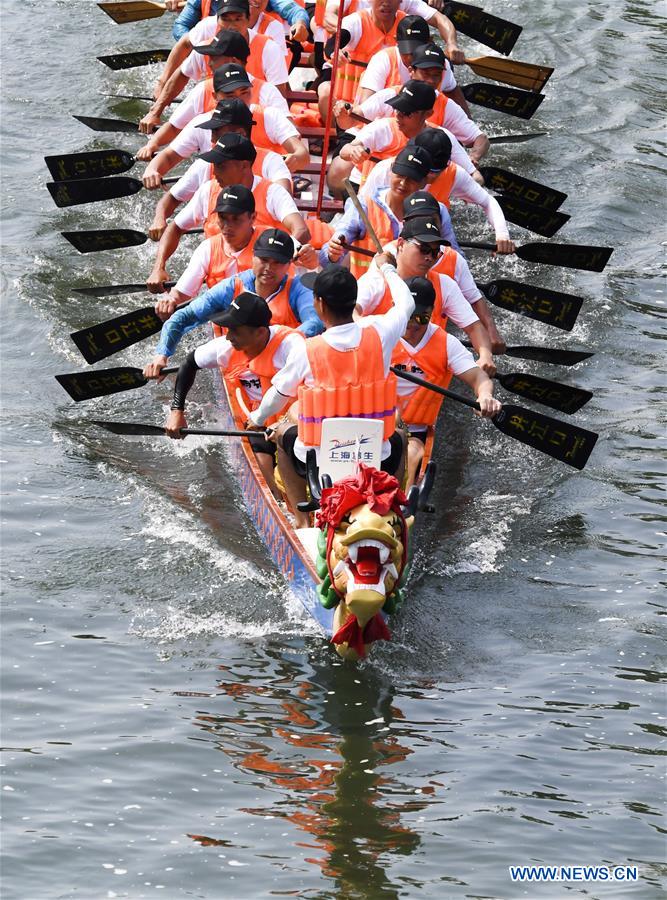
(348, 441)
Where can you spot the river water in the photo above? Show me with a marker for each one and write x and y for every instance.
(172, 724)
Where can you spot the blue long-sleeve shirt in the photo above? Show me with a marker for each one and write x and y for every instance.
(191, 14)
(219, 298)
(353, 229)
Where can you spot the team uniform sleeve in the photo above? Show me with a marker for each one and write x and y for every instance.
(192, 139)
(391, 326)
(278, 127)
(270, 96)
(418, 8)
(448, 82)
(301, 302)
(375, 106)
(459, 156)
(190, 181)
(290, 11)
(463, 277)
(217, 299)
(280, 203)
(196, 270)
(376, 75)
(194, 214)
(194, 66)
(274, 64)
(454, 304)
(466, 188)
(377, 180)
(214, 353)
(186, 19)
(187, 109)
(459, 359)
(350, 227)
(446, 227)
(370, 289)
(459, 124)
(274, 168)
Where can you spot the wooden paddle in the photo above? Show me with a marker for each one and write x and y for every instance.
(370, 231)
(513, 101)
(135, 10)
(528, 76)
(570, 256)
(109, 239)
(561, 440)
(474, 22)
(119, 61)
(93, 190)
(138, 428)
(551, 355)
(87, 385)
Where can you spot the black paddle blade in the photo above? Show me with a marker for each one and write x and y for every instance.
(86, 385)
(549, 355)
(109, 290)
(129, 428)
(541, 221)
(516, 138)
(491, 31)
(130, 60)
(105, 239)
(567, 443)
(513, 101)
(107, 338)
(92, 190)
(570, 256)
(550, 307)
(96, 164)
(97, 124)
(542, 390)
(516, 186)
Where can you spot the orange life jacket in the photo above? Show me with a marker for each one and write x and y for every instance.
(320, 232)
(267, 18)
(421, 406)
(254, 64)
(383, 228)
(393, 148)
(347, 383)
(446, 265)
(372, 40)
(206, 8)
(439, 107)
(438, 317)
(221, 261)
(281, 311)
(211, 225)
(441, 188)
(258, 135)
(262, 366)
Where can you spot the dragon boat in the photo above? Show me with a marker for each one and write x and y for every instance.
(350, 569)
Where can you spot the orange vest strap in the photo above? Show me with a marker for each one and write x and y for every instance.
(421, 406)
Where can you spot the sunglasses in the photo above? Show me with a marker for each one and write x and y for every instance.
(421, 318)
(426, 249)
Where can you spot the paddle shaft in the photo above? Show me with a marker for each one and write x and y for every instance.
(370, 231)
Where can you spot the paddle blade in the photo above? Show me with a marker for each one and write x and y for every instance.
(549, 393)
(516, 138)
(132, 10)
(99, 341)
(97, 124)
(499, 34)
(561, 440)
(104, 239)
(134, 428)
(549, 355)
(119, 61)
(550, 307)
(92, 190)
(570, 256)
(96, 164)
(86, 385)
(541, 221)
(514, 102)
(521, 188)
(109, 290)
(523, 75)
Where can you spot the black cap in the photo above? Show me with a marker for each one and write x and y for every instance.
(233, 6)
(226, 43)
(423, 292)
(412, 32)
(422, 228)
(415, 162)
(337, 287)
(438, 144)
(414, 96)
(421, 203)
(246, 309)
(231, 146)
(229, 112)
(229, 77)
(429, 56)
(274, 243)
(235, 199)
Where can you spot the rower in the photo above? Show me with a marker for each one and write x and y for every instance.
(250, 354)
(417, 251)
(427, 351)
(391, 65)
(290, 301)
(345, 369)
(384, 138)
(448, 181)
(232, 157)
(190, 58)
(385, 212)
(224, 254)
(196, 10)
(428, 64)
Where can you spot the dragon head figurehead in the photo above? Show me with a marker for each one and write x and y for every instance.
(364, 547)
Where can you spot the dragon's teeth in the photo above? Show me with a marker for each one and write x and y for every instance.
(353, 550)
(339, 567)
(391, 570)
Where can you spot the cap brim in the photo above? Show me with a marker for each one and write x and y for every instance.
(426, 238)
(214, 123)
(409, 171)
(232, 85)
(232, 208)
(430, 65)
(213, 156)
(410, 46)
(401, 103)
(209, 50)
(224, 319)
(271, 254)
